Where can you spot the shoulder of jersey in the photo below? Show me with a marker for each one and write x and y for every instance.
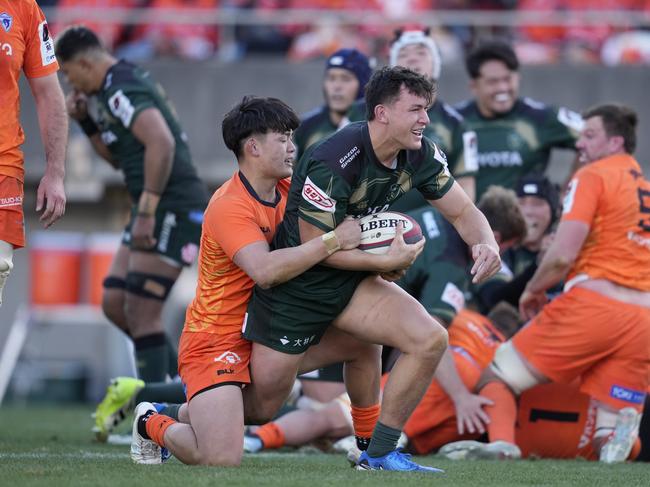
(534, 109)
(451, 112)
(121, 73)
(344, 151)
(311, 116)
(464, 108)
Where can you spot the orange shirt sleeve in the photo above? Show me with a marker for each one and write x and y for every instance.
(232, 223)
(582, 197)
(40, 59)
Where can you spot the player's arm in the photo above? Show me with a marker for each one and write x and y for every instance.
(468, 183)
(152, 131)
(560, 257)
(270, 268)
(400, 255)
(474, 229)
(76, 104)
(470, 415)
(53, 123)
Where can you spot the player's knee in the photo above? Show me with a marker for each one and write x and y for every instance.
(6, 257)
(433, 342)
(113, 299)
(224, 457)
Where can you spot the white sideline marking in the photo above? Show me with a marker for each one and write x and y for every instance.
(86, 455)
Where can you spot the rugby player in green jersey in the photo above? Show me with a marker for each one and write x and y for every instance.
(515, 134)
(136, 130)
(360, 170)
(346, 73)
(416, 50)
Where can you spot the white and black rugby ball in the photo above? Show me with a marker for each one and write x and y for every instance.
(378, 231)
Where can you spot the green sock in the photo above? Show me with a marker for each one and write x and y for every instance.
(151, 357)
(172, 356)
(384, 440)
(171, 392)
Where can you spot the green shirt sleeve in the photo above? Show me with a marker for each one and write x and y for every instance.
(561, 129)
(432, 177)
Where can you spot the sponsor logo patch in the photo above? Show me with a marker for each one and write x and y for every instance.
(47, 46)
(453, 296)
(317, 197)
(121, 107)
(6, 20)
(569, 198)
(470, 151)
(11, 201)
(189, 252)
(570, 118)
(228, 358)
(628, 395)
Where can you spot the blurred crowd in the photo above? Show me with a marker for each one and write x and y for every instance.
(576, 42)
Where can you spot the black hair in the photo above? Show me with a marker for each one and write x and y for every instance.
(385, 85)
(75, 40)
(617, 120)
(493, 50)
(256, 115)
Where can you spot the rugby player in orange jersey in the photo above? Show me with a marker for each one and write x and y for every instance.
(598, 330)
(26, 45)
(235, 254)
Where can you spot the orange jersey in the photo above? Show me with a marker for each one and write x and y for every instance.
(613, 198)
(235, 218)
(474, 334)
(25, 45)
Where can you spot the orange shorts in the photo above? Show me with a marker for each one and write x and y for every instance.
(556, 421)
(583, 334)
(12, 219)
(209, 360)
(433, 423)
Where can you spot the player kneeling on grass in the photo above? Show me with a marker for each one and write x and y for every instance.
(598, 330)
(221, 371)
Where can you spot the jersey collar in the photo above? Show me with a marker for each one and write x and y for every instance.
(252, 192)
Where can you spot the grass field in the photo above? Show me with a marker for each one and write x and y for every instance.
(52, 446)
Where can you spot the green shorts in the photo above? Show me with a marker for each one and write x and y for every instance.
(289, 318)
(177, 234)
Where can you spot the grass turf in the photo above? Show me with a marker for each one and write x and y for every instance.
(52, 446)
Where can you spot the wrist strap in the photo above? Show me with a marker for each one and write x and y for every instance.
(331, 242)
(89, 126)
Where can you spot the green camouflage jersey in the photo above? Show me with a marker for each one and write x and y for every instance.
(127, 91)
(317, 125)
(447, 129)
(342, 176)
(439, 278)
(519, 142)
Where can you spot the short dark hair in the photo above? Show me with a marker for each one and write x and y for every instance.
(74, 40)
(617, 120)
(385, 84)
(501, 209)
(493, 50)
(256, 115)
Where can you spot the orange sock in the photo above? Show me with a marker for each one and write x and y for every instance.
(271, 435)
(503, 414)
(156, 426)
(365, 420)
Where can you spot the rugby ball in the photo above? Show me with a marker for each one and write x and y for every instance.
(378, 231)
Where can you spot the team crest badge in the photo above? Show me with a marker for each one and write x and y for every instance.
(7, 20)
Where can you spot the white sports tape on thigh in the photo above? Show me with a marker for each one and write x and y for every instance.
(511, 369)
(6, 256)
